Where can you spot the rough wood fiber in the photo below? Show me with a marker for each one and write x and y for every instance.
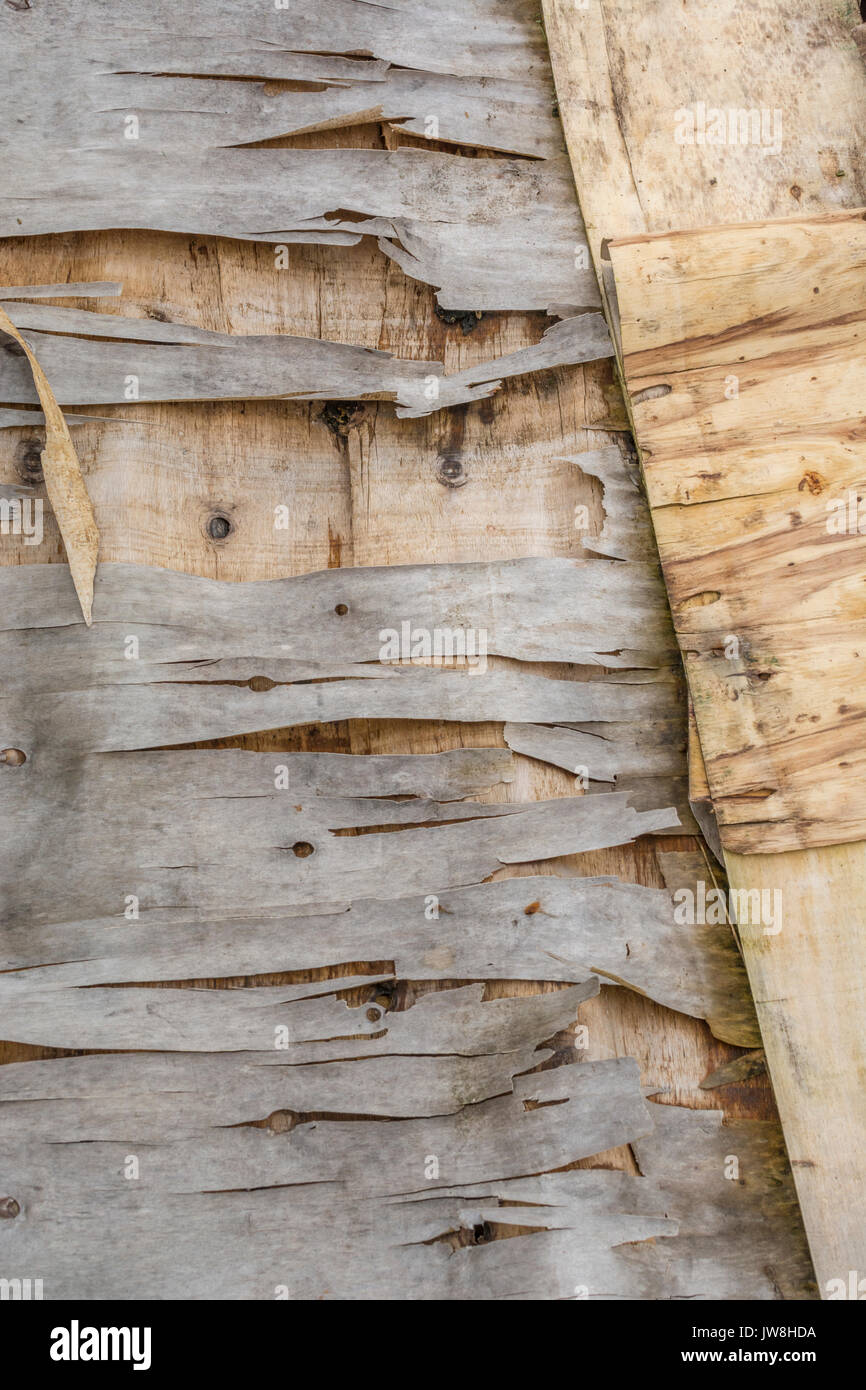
(147, 361)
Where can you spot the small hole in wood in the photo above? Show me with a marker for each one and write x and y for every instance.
(341, 609)
(218, 527)
(13, 757)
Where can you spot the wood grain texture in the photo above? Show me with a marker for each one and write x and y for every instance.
(484, 482)
(638, 88)
(755, 465)
(624, 79)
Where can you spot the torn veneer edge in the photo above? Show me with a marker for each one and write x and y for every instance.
(64, 482)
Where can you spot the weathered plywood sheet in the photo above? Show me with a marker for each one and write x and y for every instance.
(755, 467)
(480, 482)
(120, 359)
(683, 113)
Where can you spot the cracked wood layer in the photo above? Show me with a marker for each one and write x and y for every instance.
(119, 124)
(433, 1056)
(410, 1207)
(758, 519)
(114, 819)
(286, 854)
(191, 636)
(492, 234)
(474, 74)
(145, 360)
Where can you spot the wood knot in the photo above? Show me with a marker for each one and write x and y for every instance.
(219, 526)
(302, 849)
(28, 460)
(450, 471)
(342, 416)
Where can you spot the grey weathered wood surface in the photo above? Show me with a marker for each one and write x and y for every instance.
(171, 362)
(491, 234)
(490, 85)
(113, 819)
(680, 1230)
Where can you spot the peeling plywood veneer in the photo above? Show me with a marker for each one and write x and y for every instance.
(677, 1230)
(102, 359)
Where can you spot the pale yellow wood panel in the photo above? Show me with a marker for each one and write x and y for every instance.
(748, 411)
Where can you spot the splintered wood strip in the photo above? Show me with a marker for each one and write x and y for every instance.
(149, 361)
(311, 864)
(103, 289)
(579, 1110)
(616, 755)
(492, 234)
(64, 482)
(519, 608)
(300, 1024)
(751, 512)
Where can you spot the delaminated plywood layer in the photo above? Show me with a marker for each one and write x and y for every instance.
(102, 359)
(680, 1230)
(483, 481)
(756, 467)
(126, 132)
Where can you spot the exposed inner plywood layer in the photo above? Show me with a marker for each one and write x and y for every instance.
(756, 470)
